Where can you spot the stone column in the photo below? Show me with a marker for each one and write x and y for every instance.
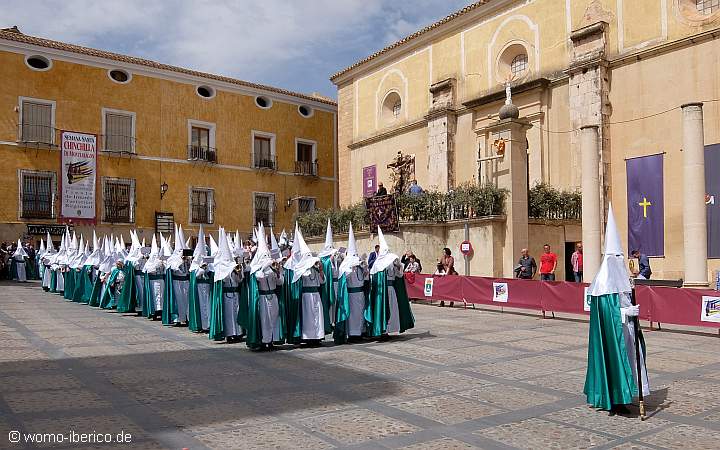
(441, 131)
(694, 210)
(511, 174)
(591, 208)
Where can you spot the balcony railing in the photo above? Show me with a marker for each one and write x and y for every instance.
(202, 153)
(262, 162)
(306, 168)
(116, 143)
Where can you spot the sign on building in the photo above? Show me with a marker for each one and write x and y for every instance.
(164, 222)
(78, 176)
(43, 229)
(369, 181)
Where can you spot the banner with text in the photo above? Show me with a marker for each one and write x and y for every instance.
(383, 213)
(78, 176)
(712, 199)
(645, 203)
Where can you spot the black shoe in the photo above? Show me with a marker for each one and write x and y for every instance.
(620, 410)
(442, 303)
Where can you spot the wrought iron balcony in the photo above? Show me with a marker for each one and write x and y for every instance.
(202, 153)
(308, 168)
(36, 133)
(262, 162)
(115, 143)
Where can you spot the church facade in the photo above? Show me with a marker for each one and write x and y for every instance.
(599, 85)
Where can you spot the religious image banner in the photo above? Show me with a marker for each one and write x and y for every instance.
(712, 199)
(78, 176)
(646, 210)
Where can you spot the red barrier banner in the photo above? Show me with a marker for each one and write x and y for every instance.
(679, 306)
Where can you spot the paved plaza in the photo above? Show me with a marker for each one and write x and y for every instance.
(461, 379)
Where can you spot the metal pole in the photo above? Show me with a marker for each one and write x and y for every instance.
(636, 325)
(467, 257)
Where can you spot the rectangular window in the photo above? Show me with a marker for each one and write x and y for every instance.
(119, 133)
(263, 155)
(265, 209)
(36, 122)
(305, 163)
(201, 144)
(201, 205)
(37, 195)
(118, 200)
(306, 205)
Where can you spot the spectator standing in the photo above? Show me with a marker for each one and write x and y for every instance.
(526, 267)
(548, 264)
(415, 189)
(412, 265)
(643, 271)
(373, 256)
(381, 190)
(577, 262)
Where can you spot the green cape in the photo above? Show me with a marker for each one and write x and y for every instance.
(97, 286)
(126, 301)
(243, 315)
(194, 317)
(292, 294)
(70, 277)
(169, 311)
(109, 300)
(53, 281)
(342, 311)
(254, 327)
(377, 310)
(216, 313)
(609, 380)
(327, 291)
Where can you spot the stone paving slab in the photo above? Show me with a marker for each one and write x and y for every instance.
(462, 379)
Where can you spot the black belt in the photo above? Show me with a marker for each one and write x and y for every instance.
(310, 289)
(229, 289)
(181, 277)
(203, 281)
(355, 290)
(335, 280)
(156, 276)
(266, 292)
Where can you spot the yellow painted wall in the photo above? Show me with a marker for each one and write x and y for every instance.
(163, 108)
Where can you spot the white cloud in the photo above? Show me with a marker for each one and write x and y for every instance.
(296, 44)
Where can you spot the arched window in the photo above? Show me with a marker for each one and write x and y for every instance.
(519, 65)
(392, 107)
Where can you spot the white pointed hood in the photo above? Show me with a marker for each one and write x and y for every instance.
(213, 246)
(328, 249)
(108, 256)
(176, 259)
(274, 247)
(20, 251)
(41, 251)
(224, 263)
(262, 258)
(294, 251)
(351, 257)
(153, 261)
(95, 256)
(49, 247)
(238, 248)
(200, 251)
(165, 248)
(613, 276)
(135, 252)
(283, 238)
(77, 259)
(385, 259)
(306, 260)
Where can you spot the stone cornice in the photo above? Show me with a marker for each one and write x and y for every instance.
(494, 96)
(388, 134)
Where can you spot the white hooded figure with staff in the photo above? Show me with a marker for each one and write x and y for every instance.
(19, 260)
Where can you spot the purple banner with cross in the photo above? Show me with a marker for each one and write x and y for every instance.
(646, 209)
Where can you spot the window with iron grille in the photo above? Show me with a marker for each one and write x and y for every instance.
(201, 205)
(265, 209)
(707, 7)
(118, 200)
(263, 154)
(306, 205)
(37, 194)
(519, 64)
(36, 122)
(119, 132)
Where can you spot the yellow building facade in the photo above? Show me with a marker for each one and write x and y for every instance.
(204, 149)
(625, 67)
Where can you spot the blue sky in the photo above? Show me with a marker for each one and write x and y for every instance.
(294, 44)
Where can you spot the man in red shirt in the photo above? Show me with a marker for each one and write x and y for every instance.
(548, 264)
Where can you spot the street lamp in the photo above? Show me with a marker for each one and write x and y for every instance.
(163, 189)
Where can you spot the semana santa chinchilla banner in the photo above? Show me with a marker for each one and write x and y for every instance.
(646, 210)
(78, 175)
(712, 198)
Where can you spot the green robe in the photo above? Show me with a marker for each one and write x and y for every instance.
(327, 291)
(53, 281)
(194, 317)
(109, 299)
(342, 312)
(170, 310)
(253, 327)
(292, 294)
(126, 301)
(377, 310)
(243, 316)
(149, 304)
(97, 286)
(216, 313)
(70, 277)
(80, 282)
(609, 379)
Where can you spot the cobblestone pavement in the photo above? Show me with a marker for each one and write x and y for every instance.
(462, 379)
